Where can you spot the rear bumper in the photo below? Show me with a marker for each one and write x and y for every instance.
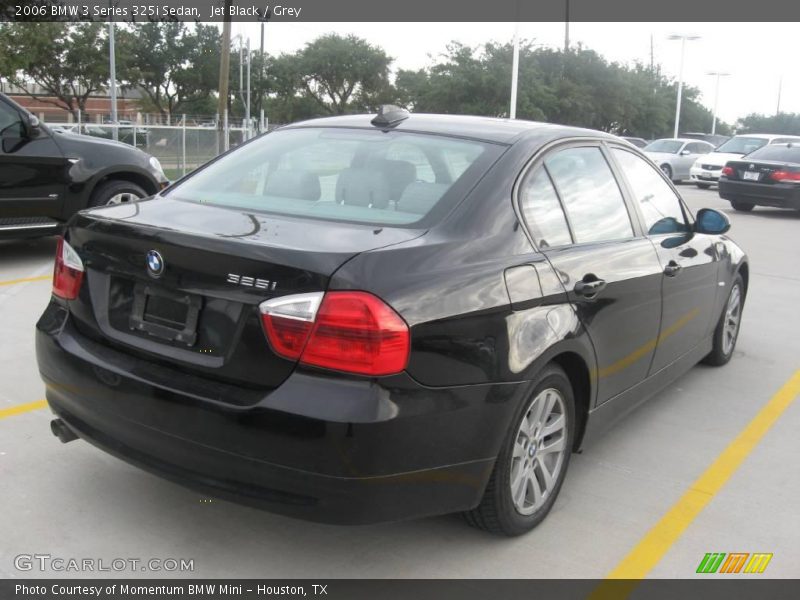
(415, 452)
(779, 195)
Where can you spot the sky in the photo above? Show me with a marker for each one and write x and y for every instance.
(755, 55)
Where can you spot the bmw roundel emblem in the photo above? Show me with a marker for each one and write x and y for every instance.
(155, 263)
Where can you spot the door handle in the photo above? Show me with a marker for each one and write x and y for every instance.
(589, 289)
(672, 269)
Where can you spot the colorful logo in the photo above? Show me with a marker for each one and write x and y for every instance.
(734, 562)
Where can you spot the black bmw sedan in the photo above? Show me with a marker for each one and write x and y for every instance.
(770, 176)
(359, 319)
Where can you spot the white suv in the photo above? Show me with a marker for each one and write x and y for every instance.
(707, 168)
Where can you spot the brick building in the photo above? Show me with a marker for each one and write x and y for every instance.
(98, 107)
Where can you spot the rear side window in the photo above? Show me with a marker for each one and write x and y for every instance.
(356, 175)
(542, 211)
(590, 194)
(660, 206)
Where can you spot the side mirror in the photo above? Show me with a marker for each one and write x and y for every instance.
(685, 152)
(711, 221)
(30, 124)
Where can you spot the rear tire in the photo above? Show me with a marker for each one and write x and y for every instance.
(727, 330)
(533, 460)
(116, 191)
(667, 170)
(742, 206)
(703, 186)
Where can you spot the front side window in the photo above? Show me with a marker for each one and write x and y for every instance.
(698, 148)
(542, 211)
(591, 196)
(660, 206)
(10, 122)
(357, 175)
(665, 146)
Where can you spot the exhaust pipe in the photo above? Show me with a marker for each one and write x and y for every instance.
(61, 431)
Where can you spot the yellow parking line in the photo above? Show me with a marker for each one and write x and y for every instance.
(22, 408)
(26, 280)
(656, 542)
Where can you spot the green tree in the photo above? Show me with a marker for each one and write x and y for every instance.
(174, 66)
(782, 123)
(341, 74)
(59, 58)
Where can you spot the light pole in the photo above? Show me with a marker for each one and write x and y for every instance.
(683, 39)
(112, 68)
(512, 112)
(716, 74)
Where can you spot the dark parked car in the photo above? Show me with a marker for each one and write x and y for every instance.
(360, 319)
(46, 176)
(770, 176)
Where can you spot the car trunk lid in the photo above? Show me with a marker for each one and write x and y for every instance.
(201, 313)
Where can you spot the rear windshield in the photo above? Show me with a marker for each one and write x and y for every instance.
(780, 152)
(357, 175)
(742, 145)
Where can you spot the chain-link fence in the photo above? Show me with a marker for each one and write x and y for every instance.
(180, 148)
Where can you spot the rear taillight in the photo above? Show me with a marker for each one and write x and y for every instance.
(355, 332)
(727, 171)
(288, 322)
(68, 271)
(785, 176)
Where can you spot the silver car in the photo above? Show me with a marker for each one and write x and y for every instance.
(675, 156)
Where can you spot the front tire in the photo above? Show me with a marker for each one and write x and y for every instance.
(533, 461)
(727, 330)
(742, 206)
(116, 191)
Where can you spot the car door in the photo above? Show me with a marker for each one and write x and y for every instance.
(689, 260)
(611, 273)
(32, 169)
(685, 161)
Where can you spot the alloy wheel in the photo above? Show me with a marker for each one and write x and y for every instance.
(539, 449)
(122, 198)
(733, 313)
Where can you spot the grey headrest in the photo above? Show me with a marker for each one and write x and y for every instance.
(362, 187)
(301, 185)
(419, 198)
(398, 174)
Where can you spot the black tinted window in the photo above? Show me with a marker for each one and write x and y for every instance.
(781, 152)
(660, 206)
(10, 122)
(590, 194)
(542, 211)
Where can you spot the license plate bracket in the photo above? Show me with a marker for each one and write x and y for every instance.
(164, 314)
(751, 175)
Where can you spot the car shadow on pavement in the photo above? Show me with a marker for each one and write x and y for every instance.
(764, 212)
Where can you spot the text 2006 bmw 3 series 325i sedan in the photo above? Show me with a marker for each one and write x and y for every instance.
(368, 318)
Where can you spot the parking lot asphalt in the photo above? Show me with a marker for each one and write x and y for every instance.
(73, 501)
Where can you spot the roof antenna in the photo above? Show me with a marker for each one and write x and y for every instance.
(389, 115)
